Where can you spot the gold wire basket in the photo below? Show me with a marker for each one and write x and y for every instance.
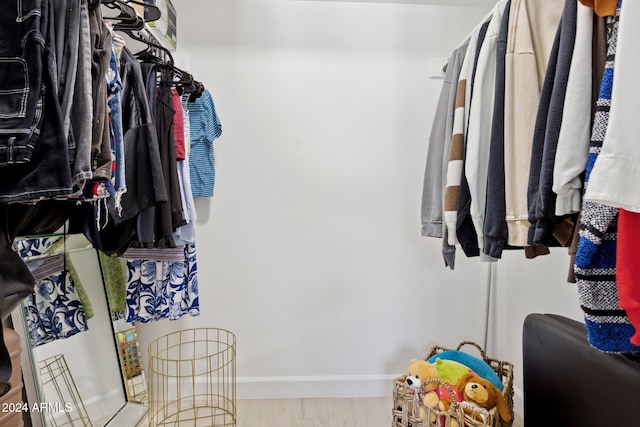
(62, 393)
(192, 379)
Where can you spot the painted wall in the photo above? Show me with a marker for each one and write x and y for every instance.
(310, 250)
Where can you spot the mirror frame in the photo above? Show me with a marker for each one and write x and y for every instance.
(129, 415)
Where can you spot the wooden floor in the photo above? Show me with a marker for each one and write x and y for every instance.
(362, 412)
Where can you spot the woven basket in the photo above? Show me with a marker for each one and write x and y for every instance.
(410, 411)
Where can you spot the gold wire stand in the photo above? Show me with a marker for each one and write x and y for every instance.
(55, 374)
(131, 363)
(192, 379)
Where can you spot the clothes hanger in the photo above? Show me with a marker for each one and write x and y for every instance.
(150, 43)
(127, 18)
(151, 12)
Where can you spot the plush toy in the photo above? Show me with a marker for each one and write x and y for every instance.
(450, 371)
(418, 373)
(439, 396)
(477, 365)
(482, 393)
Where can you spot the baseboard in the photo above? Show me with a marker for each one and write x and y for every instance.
(293, 387)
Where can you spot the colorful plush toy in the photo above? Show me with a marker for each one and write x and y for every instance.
(440, 397)
(482, 393)
(450, 371)
(477, 365)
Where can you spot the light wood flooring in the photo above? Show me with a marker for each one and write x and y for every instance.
(361, 412)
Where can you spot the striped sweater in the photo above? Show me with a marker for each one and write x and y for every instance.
(608, 326)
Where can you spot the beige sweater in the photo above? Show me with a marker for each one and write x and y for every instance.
(532, 28)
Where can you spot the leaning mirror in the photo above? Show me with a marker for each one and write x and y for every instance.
(76, 351)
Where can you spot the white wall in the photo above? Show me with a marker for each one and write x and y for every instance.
(310, 251)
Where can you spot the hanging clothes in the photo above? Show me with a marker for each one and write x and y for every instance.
(162, 284)
(533, 25)
(205, 127)
(494, 230)
(465, 231)
(54, 311)
(614, 174)
(185, 234)
(573, 141)
(439, 144)
(480, 122)
(546, 229)
(41, 246)
(608, 327)
(115, 282)
(33, 150)
(170, 215)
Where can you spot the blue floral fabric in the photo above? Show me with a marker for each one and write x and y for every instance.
(162, 288)
(54, 310)
(33, 247)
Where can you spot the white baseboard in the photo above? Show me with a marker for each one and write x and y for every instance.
(295, 387)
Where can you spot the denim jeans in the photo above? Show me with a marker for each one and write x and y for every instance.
(34, 162)
(114, 88)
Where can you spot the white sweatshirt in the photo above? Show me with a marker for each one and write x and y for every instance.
(575, 131)
(480, 121)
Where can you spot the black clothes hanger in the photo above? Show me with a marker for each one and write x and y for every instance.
(152, 12)
(196, 92)
(127, 17)
(152, 44)
(93, 4)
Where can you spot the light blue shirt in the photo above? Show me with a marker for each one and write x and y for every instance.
(205, 128)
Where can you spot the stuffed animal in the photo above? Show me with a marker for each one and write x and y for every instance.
(449, 371)
(477, 365)
(482, 393)
(418, 373)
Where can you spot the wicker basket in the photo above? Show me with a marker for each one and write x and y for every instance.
(409, 410)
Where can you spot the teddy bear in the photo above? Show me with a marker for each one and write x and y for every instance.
(479, 392)
(418, 372)
(425, 376)
(417, 379)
